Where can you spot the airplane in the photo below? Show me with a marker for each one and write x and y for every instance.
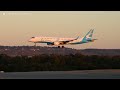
(55, 41)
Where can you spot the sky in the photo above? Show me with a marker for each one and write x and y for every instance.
(17, 27)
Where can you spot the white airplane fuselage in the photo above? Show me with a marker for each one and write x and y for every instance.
(54, 39)
(63, 41)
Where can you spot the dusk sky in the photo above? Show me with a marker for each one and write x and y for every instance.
(17, 27)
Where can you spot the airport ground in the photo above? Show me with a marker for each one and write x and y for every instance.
(38, 50)
(81, 74)
(106, 63)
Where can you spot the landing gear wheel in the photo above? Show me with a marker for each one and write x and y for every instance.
(58, 46)
(62, 46)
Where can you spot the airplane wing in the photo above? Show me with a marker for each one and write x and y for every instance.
(57, 42)
(64, 42)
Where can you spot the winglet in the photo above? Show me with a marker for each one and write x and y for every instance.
(77, 38)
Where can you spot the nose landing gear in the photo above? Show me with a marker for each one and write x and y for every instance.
(35, 44)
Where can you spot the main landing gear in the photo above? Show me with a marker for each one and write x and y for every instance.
(58, 46)
(61, 46)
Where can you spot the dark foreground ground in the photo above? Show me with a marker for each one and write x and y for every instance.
(38, 50)
(83, 74)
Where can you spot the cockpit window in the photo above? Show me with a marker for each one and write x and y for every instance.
(33, 37)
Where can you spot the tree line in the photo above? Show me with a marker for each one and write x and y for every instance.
(56, 62)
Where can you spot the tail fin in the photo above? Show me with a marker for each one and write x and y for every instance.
(88, 36)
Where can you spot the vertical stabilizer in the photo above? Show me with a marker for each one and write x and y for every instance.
(88, 36)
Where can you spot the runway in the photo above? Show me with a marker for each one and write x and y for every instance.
(82, 74)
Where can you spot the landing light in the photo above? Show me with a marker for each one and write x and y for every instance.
(2, 71)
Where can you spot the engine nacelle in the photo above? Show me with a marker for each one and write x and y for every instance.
(59, 43)
(56, 43)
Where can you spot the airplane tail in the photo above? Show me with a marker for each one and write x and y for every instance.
(88, 36)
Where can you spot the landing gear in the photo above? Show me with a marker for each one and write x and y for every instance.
(35, 44)
(61, 47)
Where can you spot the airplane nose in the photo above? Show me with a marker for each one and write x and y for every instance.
(29, 40)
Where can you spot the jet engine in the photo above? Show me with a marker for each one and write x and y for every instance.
(58, 43)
